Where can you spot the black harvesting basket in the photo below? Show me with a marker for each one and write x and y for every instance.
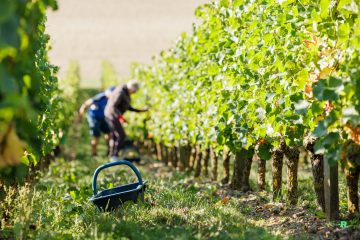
(110, 199)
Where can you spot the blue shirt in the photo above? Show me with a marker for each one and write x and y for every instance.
(97, 107)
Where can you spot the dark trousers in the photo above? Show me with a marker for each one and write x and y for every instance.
(117, 136)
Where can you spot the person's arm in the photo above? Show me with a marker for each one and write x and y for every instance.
(84, 107)
(137, 110)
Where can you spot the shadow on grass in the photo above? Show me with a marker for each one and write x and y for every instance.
(160, 230)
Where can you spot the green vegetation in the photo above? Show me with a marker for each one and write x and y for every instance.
(255, 81)
(264, 77)
(32, 109)
(260, 70)
(177, 206)
(56, 206)
(109, 77)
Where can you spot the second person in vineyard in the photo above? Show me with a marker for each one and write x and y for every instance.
(118, 104)
(96, 119)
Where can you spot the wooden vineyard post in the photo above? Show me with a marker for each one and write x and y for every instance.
(197, 163)
(214, 164)
(277, 165)
(331, 189)
(175, 158)
(192, 152)
(261, 174)
(206, 157)
(226, 165)
(158, 152)
(238, 172)
(292, 162)
(153, 149)
(166, 155)
(183, 157)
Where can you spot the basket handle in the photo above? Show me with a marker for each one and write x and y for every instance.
(107, 165)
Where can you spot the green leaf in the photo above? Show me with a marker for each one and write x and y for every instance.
(8, 83)
(348, 6)
(321, 129)
(324, 8)
(330, 94)
(295, 11)
(344, 31)
(315, 15)
(331, 139)
(224, 3)
(301, 78)
(25, 160)
(237, 3)
(328, 89)
(220, 139)
(264, 151)
(317, 108)
(342, 3)
(351, 115)
(213, 70)
(7, 8)
(27, 81)
(246, 153)
(324, 144)
(302, 106)
(73, 195)
(333, 154)
(9, 35)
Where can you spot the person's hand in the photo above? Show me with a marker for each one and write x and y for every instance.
(79, 118)
(145, 109)
(80, 115)
(121, 119)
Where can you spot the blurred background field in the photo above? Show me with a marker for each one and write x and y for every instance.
(118, 31)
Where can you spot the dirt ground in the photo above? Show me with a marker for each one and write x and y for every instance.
(279, 218)
(119, 31)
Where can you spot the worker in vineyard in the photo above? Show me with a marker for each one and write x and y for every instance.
(118, 104)
(95, 107)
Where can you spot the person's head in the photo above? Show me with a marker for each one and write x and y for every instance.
(132, 86)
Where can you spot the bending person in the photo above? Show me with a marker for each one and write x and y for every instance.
(96, 118)
(117, 105)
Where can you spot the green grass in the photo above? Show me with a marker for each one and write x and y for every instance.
(57, 205)
(176, 206)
